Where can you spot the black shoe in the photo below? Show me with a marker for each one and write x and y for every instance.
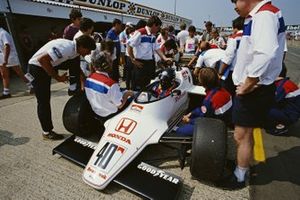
(5, 96)
(231, 183)
(52, 136)
(74, 92)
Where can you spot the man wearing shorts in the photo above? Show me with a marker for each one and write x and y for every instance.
(9, 59)
(259, 62)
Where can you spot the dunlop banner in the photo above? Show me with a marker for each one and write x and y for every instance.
(127, 7)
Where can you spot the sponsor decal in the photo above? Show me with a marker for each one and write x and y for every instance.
(85, 143)
(137, 108)
(157, 173)
(126, 126)
(119, 137)
(203, 109)
(89, 169)
(103, 176)
(57, 52)
(177, 98)
(185, 74)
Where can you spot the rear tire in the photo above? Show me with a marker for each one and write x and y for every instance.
(79, 118)
(209, 149)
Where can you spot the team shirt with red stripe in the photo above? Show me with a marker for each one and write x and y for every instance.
(232, 47)
(262, 45)
(286, 89)
(144, 44)
(103, 94)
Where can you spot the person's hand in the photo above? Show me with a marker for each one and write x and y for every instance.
(4, 64)
(186, 118)
(63, 78)
(137, 63)
(242, 90)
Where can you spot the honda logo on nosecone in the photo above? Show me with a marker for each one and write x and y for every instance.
(126, 126)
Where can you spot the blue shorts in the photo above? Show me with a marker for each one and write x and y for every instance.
(251, 110)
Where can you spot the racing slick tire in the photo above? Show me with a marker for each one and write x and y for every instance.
(209, 149)
(79, 118)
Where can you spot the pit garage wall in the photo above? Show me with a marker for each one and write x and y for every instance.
(37, 20)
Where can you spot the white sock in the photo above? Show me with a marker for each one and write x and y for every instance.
(29, 85)
(46, 133)
(72, 87)
(6, 91)
(240, 172)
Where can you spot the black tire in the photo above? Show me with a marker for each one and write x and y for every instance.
(79, 118)
(209, 149)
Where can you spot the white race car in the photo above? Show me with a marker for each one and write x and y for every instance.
(147, 120)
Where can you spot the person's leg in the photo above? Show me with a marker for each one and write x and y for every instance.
(20, 73)
(41, 86)
(115, 70)
(185, 130)
(5, 80)
(74, 75)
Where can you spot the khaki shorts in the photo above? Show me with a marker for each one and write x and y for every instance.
(13, 60)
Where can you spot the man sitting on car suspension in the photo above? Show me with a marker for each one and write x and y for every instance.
(217, 103)
(103, 93)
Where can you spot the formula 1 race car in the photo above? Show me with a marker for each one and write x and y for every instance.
(109, 150)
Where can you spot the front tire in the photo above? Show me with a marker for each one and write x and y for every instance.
(209, 149)
(79, 118)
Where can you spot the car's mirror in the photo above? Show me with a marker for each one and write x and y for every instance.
(176, 93)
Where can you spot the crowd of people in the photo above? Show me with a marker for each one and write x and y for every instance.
(241, 73)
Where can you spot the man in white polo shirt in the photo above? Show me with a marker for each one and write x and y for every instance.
(141, 47)
(42, 68)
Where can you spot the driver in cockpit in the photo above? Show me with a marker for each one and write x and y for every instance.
(166, 83)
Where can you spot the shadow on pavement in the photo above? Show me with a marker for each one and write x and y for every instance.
(7, 137)
(283, 167)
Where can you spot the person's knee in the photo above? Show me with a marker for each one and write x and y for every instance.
(243, 135)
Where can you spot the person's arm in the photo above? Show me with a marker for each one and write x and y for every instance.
(45, 61)
(162, 56)
(247, 87)
(125, 97)
(6, 54)
(132, 58)
(230, 54)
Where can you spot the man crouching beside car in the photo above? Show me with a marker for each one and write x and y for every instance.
(102, 92)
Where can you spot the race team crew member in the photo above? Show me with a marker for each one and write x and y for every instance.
(286, 110)
(9, 59)
(113, 35)
(102, 92)
(209, 57)
(42, 68)
(259, 62)
(229, 60)
(73, 64)
(141, 47)
(217, 103)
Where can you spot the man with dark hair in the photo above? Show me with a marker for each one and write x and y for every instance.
(229, 60)
(142, 58)
(113, 35)
(42, 67)
(182, 36)
(74, 71)
(86, 28)
(207, 33)
(259, 62)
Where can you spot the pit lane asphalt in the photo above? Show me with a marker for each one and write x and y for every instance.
(29, 171)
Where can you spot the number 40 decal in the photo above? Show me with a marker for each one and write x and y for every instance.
(106, 153)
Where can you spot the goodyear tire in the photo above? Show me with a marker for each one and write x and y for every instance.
(79, 118)
(209, 149)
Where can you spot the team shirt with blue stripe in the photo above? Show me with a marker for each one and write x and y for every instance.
(103, 94)
(262, 45)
